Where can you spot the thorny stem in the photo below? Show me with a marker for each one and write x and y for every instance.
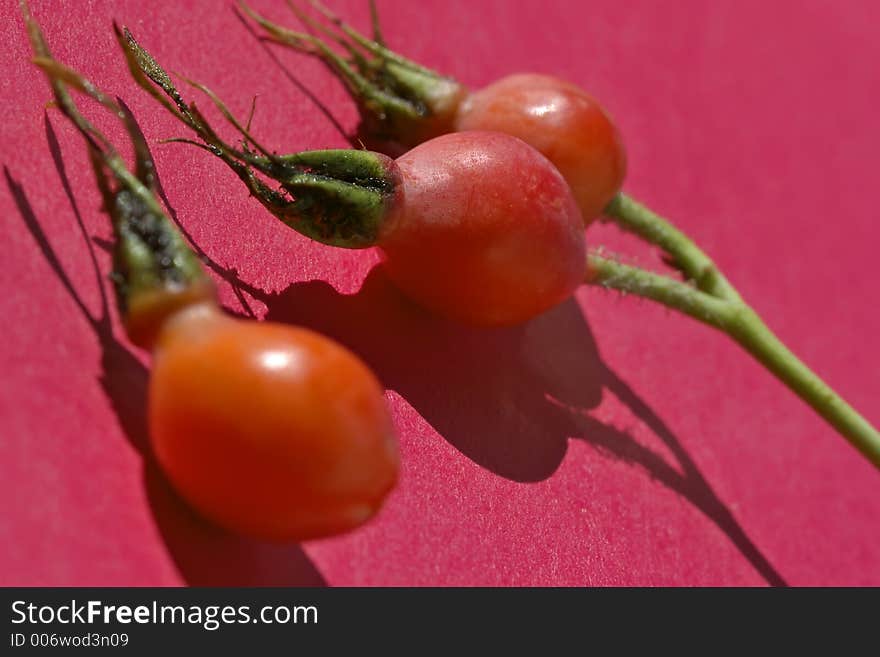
(686, 256)
(377, 27)
(727, 312)
(401, 102)
(609, 273)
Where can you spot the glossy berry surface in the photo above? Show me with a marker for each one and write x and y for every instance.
(564, 123)
(268, 430)
(485, 230)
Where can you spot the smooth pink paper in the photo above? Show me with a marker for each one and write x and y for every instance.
(609, 442)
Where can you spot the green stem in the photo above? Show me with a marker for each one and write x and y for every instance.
(687, 256)
(609, 273)
(741, 323)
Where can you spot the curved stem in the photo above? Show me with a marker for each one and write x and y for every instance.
(687, 256)
(741, 323)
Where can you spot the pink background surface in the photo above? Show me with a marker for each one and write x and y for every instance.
(608, 442)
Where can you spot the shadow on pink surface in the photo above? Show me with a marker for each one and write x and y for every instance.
(508, 399)
(488, 395)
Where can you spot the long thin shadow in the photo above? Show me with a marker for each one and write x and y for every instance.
(204, 555)
(690, 483)
(308, 93)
